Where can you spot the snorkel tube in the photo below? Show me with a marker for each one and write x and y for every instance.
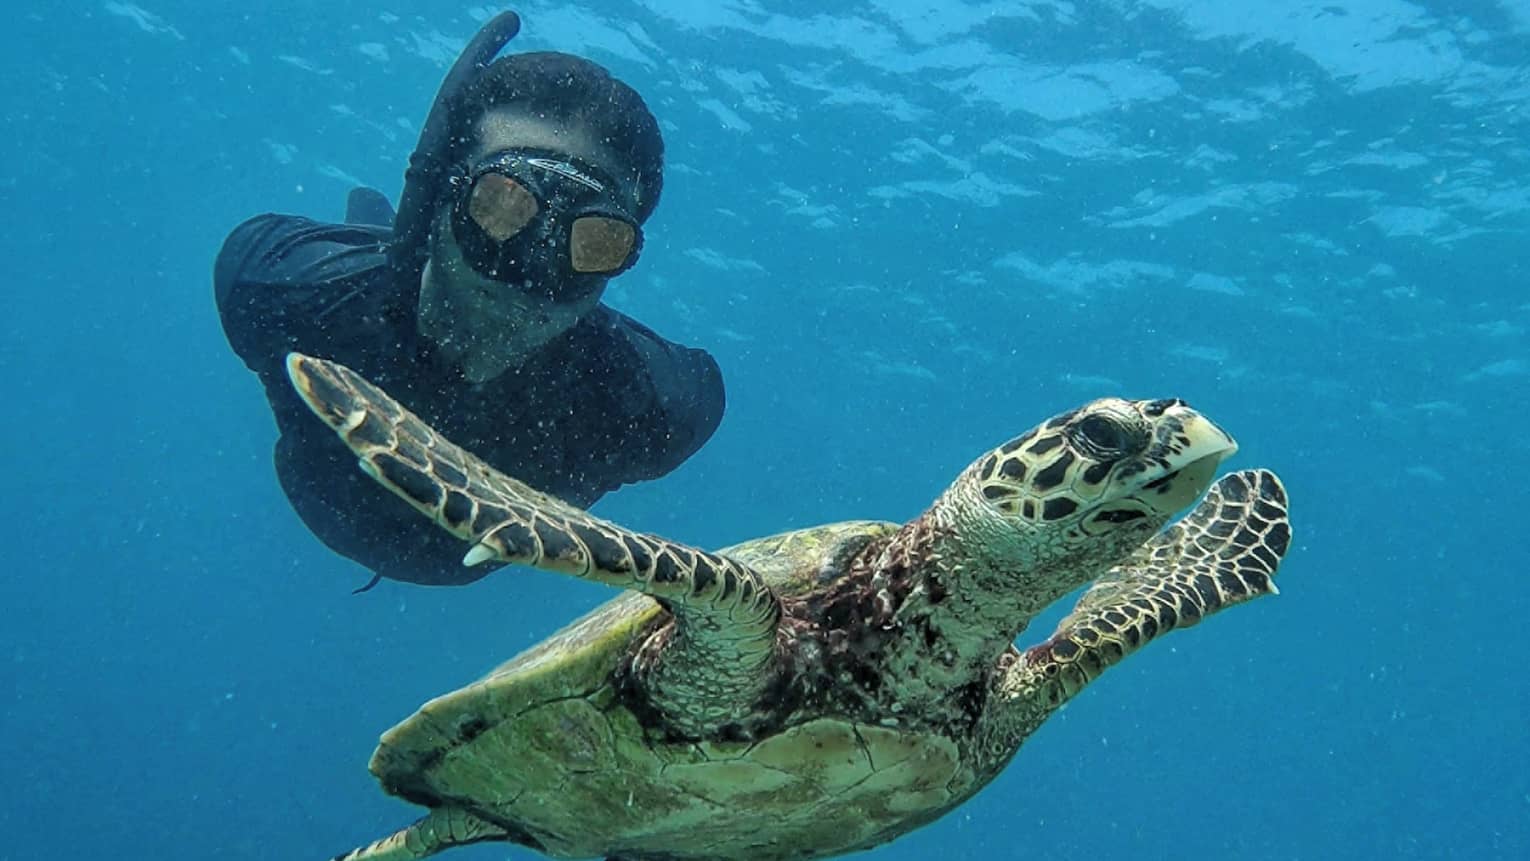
(427, 164)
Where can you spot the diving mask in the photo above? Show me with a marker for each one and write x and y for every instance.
(520, 211)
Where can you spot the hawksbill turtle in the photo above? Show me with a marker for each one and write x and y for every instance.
(816, 692)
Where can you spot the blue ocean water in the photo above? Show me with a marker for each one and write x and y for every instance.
(908, 229)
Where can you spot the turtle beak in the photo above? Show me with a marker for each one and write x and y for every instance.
(1190, 447)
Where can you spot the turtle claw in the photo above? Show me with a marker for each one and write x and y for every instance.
(481, 552)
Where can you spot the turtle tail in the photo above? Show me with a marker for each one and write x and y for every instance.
(442, 829)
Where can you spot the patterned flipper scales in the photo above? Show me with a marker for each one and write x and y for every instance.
(714, 665)
(441, 829)
(1223, 553)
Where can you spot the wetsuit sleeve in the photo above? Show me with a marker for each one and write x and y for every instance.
(277, 277)
(688, 390)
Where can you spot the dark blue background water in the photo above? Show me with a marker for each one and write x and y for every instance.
(908, 230)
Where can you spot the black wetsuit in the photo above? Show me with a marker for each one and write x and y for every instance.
(607, 403)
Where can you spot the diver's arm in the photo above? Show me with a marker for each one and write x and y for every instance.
(688, 387)
(695, 407)
(280, 279)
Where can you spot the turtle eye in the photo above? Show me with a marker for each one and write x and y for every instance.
(1103, 436)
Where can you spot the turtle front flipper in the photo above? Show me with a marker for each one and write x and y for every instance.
(1223, 553)
(441, 829)
(715, 663)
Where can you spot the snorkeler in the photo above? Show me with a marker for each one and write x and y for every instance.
(479, 305)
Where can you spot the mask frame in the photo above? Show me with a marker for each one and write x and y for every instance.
(551, 202)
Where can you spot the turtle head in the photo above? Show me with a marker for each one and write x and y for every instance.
(1053, 508)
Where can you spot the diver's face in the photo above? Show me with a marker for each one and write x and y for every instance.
(533, 210)
(502, 129)
(482, 315)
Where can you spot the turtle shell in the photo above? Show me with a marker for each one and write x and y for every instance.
(544, 747)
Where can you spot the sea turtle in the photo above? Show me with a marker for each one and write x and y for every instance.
(815, 692)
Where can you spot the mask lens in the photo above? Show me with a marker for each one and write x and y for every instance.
(601, 244)
(501, 206)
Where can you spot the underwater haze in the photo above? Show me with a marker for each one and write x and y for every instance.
(908, 230)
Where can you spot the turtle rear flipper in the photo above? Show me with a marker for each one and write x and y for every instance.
(1223, 553)
(714, 664)
(441, 829)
